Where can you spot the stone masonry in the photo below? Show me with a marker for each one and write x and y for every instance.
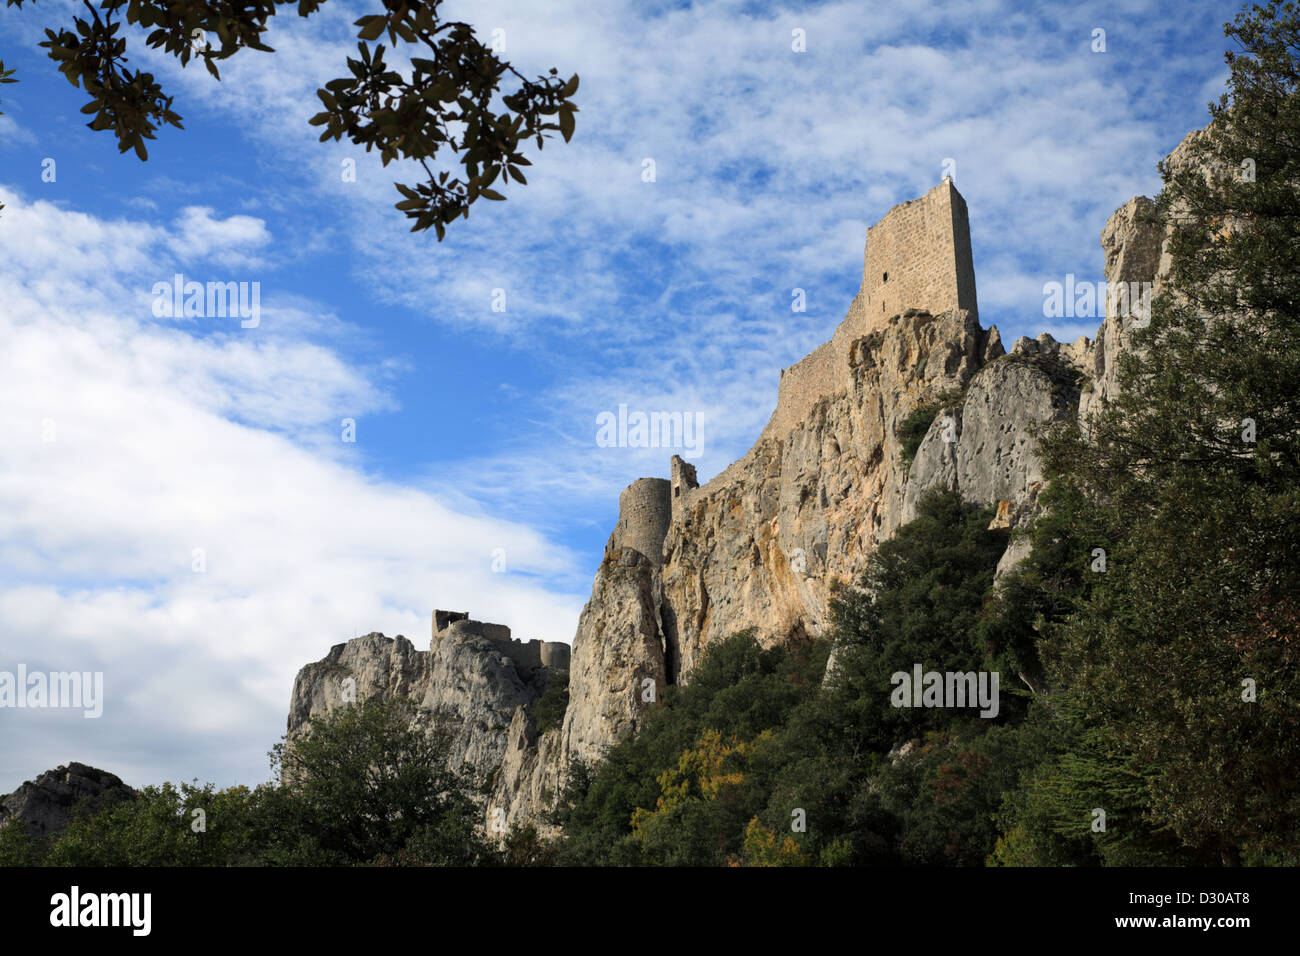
(527, 657)
(918, 256)
(644, 512)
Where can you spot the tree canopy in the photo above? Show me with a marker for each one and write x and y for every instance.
(461, 101)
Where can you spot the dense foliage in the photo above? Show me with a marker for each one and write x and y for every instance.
(365, 785)
(1183, 663)
(759, 760)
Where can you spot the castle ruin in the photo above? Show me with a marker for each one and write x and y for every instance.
(527, 657)
(917, 257)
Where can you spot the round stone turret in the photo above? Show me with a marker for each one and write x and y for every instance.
(644, 513)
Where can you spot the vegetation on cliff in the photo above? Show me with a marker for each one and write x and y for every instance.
(758, 760)
(1153, 627)
(365, 785)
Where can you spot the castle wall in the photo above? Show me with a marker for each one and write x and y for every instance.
(644, 513)
(555, 654)
(530, 655)
(527, 656)
(805, 383)
(493, 632)
(683, 482)
(441, 619)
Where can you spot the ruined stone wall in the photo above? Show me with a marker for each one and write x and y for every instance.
(683, 482)
(644, 513)
(554, 654)
(461, 624)
(804, 384)
(527, 655)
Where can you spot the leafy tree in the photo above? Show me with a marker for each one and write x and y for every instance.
(1073, 769)
(460, 98)
(738, 691)
(369, 783)
(944, 794)
(701, 804)
(524, 846)
(165, 825)
(1185, 654)
(920, 603)
(765, 848)
(17, 848)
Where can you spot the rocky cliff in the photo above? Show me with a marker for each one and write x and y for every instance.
(474, 677)
(47, 803)
(762, 544)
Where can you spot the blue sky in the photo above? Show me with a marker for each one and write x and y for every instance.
(475, 428)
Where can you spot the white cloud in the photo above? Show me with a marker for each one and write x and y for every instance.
(126, 444)
(198, 235)
(11, 134)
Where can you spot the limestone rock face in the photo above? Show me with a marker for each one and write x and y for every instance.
(984, 449)
(46, 803)
(618, 671)
(617, 648)
(1137, 258)
(531, 774)
(1133, 244)
(759, 545)
(465, 678)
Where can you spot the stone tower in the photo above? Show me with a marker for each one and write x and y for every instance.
(644, 513)
(919, 257)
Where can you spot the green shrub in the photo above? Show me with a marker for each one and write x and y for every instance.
(548, 710)
(912, 429)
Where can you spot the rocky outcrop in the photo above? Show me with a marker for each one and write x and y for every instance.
(760, 545)
(983, 446)
(620, 668)
(47, 803)
(1136, 263)
(473, 677)
(618, 664)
